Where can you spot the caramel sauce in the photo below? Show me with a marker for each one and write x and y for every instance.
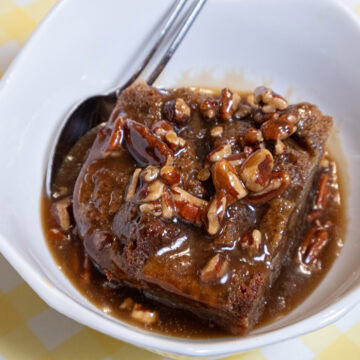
(294, 285)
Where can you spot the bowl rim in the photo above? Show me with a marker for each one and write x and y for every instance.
(153, 341)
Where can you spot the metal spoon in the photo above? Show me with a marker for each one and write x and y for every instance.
(96, 109)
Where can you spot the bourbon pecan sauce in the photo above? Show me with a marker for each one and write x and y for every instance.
(239, 183)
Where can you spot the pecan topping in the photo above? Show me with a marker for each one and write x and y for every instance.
(204, 174)
(239, 158)
(219, 153)
(225, 178)
(133, 184)
(214, 270)
(150, 173)
(216, 131)
(152, 191)
(278, 129)
(117, 135)
(60, 210)
(177, 111)
(279, 182)
(279, 147)
(271, 99)
(253, 136)
(256, 170)
(167, 205)
(242, 112)
(215, 212)
(209, 107)
(251, 241)
(144, 315)
(322, 192)
(160, 128)
(144, 146)
(170, 175)
(313, 244)
(187, 206)
(153, 208)
(127, 304)
(229, 102)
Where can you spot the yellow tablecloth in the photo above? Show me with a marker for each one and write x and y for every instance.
(29, 329)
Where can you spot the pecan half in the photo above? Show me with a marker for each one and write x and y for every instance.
(313, 244)
(177, 111)
(170, 175)
(279, 182)
(187, 206)
(215, 212)
(225, 178)
(144, 146)
(279, 129)
(214, 270)
(256, 170)
(229, 102)
(219, 153)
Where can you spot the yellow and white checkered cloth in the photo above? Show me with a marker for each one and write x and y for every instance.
(29, 329)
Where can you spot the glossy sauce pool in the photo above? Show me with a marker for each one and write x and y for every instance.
(294, 284)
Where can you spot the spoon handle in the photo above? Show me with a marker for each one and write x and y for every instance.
(179, 36)
(174, 13)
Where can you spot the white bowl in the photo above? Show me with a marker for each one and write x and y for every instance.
(83, 47)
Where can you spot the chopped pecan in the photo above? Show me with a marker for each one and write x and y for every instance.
(279, 182)
(219, 153)
(127, 304)
(117, 135)
(279, 147)
(251, 240)
(204, 174)
(253, 136)
(214, 270)
(256, 170)
(177, 111)
(170, 175)
(133, 184)
(279, 129)
(242, 112)
(187, 206)
(215, 212)
(153, 208)
(268, 97)
(322, 192)
(160, 128)
(151, 192)
(313, 244)
(167, 205)
(60, 210)
(237, 159)
(144, 315)
(209, 108)
(144, 146)
(150, 173)
(216, 131)
(229, 102)
(225, 178)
